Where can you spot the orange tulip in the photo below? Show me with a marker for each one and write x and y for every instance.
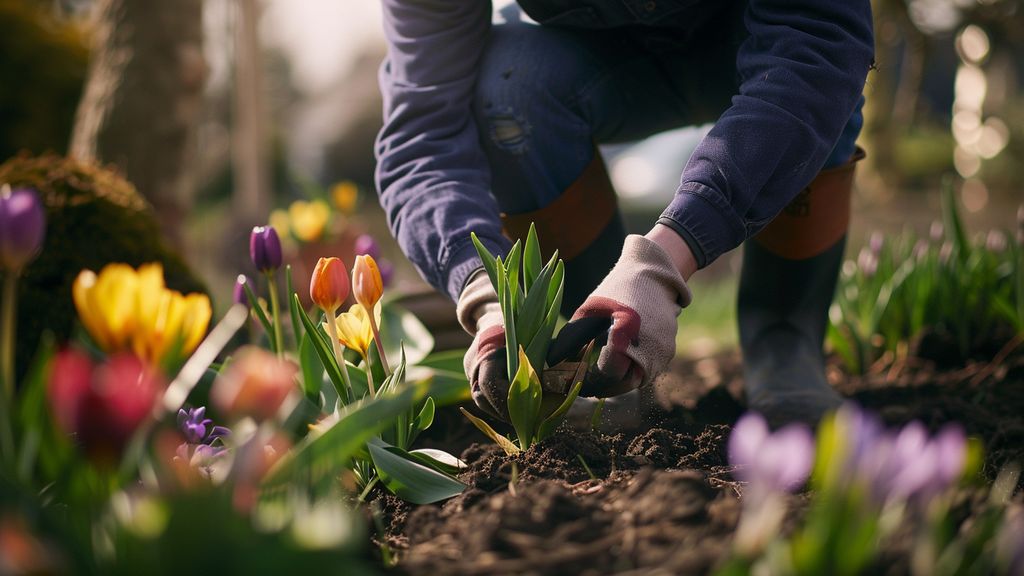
(328, 286)
(367, 285)
(254, 384)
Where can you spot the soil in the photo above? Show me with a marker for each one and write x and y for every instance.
(658, 498)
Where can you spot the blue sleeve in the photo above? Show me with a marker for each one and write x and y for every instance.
(801, 69)
(432, 176)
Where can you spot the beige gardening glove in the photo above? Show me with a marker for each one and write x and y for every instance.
(632, 313)
(485, 362)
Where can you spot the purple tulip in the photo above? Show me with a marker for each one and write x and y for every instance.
(22, 227)
(239, 296)
(365, 244)
(770, 462)
(265, 248)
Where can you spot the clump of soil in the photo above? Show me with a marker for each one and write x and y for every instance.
(660, 499)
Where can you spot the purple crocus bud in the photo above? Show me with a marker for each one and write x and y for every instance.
(239, 295)
(876, 242)
(22, 227)
(951, 451)
(770, 462)
(265, 248)
(193, 423)
(936, 232)
(365, 244)
(387, 272)
(912, 462)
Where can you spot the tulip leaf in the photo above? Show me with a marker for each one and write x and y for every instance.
(312, 369)
(326, 354)
(534, 311)
(409, 478)
(555, 418)
(557, 281)
(439, 459)
(254, 304)
(512, 264)
(401, 328)
(446, 361)
(524, 400)
(320, 456)
(532, 261)
(951, 218)
(293, 306)
(505, 444)
(423, 420)
(490, 264)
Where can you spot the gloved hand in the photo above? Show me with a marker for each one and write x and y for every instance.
(635, 308)
(485, 362)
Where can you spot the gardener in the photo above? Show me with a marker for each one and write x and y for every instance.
(490, 127)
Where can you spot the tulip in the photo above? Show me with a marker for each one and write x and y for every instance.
(22, 227)
(265, 248)
(345, 194)
(308, 219)
(102, 405)
(239, 296)
(122, 308)
(354, 330)
(329, 286)
(367, 286)
(365, 244)
(254, 384)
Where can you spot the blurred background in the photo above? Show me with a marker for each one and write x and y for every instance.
(221, 112)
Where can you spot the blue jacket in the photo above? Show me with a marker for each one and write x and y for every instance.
(801, 71)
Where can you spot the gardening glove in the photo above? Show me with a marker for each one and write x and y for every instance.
(485, 362)
(632, 314)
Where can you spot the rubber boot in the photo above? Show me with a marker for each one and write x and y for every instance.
(584, 224)
(786, 288)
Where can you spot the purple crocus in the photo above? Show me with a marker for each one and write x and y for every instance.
(366, 244)
(265, 248)
(239, 295)
(770, 462)
(22, 227)
(197, 429)
(867, 262)
(876, 242)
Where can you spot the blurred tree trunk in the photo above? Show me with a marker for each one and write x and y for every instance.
(142, 99)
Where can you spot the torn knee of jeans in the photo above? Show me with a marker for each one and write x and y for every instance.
(509, 132)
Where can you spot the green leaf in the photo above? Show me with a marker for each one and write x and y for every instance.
(557, 279)
(490, 264)
(254, 304)
(551, 422)
(524, 399)
(293, 305)
(511, 340)
(951, 218)
(312, 369)
(504, 443)
(447, 361)
(322, 456)
(532, 261)
(439, 459)
(512, 264)
(325, 352)
(400, 328)
(534, 310)
(408, 478)
(446, 388)
(424, 419)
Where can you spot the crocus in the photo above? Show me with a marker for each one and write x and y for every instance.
(354, 330)
(197, 428)
(329, 286)
(102, 405)
(367, 285)
(265, 248)
(770, 462)
(22, 227)
(123, 308)
(254, 384)
(238, 295)
(366, 244)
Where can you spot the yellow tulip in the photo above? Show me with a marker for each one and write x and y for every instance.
(367, 285)
(282, 222)
(123, 308)
(354, 329)
(345, 194)
(309, 219)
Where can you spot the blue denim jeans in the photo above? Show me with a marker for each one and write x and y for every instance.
(545, 95)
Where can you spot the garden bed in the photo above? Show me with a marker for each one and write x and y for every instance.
(660, 499)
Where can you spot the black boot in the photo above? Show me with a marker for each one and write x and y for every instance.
(786, 288)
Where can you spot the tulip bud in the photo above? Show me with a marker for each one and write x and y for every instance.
(239, 295)
(367, 285)
(22, 227)
(328, 286)
(254, 384)
(102, 406)
(265, 248)
(365, 244)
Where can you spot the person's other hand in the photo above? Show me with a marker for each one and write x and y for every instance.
(632, 313)
(485, 362)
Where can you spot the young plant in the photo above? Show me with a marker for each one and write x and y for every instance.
(526, 408)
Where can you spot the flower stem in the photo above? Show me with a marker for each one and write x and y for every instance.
(380, 346)
(275, 312)
(8, 317)
(369, 376)
(332, 331)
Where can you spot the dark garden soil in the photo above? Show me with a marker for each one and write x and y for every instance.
(659, 498)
